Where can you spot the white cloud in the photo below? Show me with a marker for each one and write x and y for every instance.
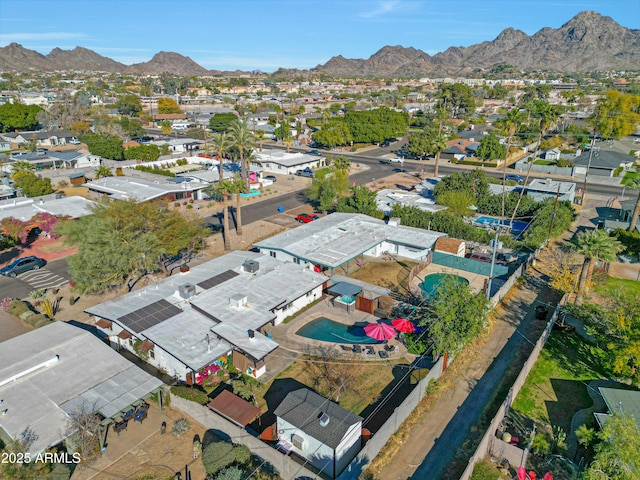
(380, 8)
(7, 38)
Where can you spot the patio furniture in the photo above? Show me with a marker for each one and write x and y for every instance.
(371, 351)
(346, 348)
(127, 415)
(514, 440)
(140, 415)
(120, 426)
(144, 406)
(383, 354)
(357, 349)
(367, 351)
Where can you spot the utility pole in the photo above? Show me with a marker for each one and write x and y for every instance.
(593, 141)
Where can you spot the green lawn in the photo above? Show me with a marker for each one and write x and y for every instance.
(628, 176)
(618, 285)
(544, 162)
(556, 387)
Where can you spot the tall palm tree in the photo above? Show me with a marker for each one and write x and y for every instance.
(437, 143)
(634, 184)
(594, 245)
(221, 144)
(243, 141)
(238, 188)
(260, 135)
(220, 191)
(547, 116)
(509, 123)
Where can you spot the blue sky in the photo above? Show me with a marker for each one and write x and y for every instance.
(267, 34)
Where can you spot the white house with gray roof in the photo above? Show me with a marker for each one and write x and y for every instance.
(333, 241)
(193, 323)
(53, 372)
(318, 430)
(278, 161)
(142, 190)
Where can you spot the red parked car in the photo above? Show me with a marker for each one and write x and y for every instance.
(306, 217)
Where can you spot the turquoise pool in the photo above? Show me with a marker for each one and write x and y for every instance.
(326, 330)
(431, 282)
(252, 193)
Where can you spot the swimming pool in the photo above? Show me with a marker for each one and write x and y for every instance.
(518, 227)
(326, 330)
(431, 282)
(252, 193)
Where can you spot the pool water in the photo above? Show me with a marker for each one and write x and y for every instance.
(518, 227)
(252, 193)
(431, 282)
(326, 330)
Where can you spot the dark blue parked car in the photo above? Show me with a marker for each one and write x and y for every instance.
(22, 265)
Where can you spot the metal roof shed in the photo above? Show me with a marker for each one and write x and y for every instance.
(234, 408)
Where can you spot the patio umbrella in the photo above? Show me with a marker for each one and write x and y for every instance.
(403, 325)
(380, 331)
(522, 473)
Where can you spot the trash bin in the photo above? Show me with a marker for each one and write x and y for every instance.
(541, 312)
(281, 209)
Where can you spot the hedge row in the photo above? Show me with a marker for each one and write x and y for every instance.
(190, 393)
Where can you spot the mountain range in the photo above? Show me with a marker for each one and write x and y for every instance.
(588, 42)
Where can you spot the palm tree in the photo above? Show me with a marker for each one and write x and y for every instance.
(594, 245)
(547, 116)
(437, 143)
(239, 187)
(634, 184)
(220, 191)
(243, 141)
(342, 163)
(509, 123)
(221, 144)
(260, 135)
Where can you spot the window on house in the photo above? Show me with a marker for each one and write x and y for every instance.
(152, 353)
(273, 254)
(296, 260)
(179, 195)
(297, 441)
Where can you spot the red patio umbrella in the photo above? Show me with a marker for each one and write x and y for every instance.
(380, 331)
(522, 473)
(403, 325)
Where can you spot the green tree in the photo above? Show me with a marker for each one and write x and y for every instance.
(594, 245)
(341, 163)
(455, 317)
(619, 114)
(104, 145)
(243, 141)
(22, 166)
(458, 202)
(458, 98)
(16, 116)
(473, 182)
(146, 153)
(361, 200)
(333, 133)
(247, 388)
(103, 171)
(168, 105)
(32, 185)
(123, 240)
(616, 455)
(131, 127)
(221, 144)
(490, 148)
(129, 104)
(221, 122)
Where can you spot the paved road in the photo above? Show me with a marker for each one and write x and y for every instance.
(54, 275)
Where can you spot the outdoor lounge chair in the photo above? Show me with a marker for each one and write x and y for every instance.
(371, 351)
(127, 415)
(383, 354)
(120, 426)
(357, 349)
(346, 348)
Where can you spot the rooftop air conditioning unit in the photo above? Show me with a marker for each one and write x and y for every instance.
(238, 301)
(187, 290)
(251, 266)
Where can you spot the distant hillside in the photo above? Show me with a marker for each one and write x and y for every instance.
(587, 42)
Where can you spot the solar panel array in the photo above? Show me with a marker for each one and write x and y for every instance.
(147, 317)
(218, 279)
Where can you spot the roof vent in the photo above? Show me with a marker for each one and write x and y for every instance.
(251, 266)
(324, 419)
(238, 301)
(187, 290)
(252, 334)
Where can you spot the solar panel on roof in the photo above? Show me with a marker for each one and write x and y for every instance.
(218, 279)
(146, 317)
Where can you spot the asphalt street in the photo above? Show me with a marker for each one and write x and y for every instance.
(53, 275)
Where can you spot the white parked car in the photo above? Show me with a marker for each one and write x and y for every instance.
(396, 160)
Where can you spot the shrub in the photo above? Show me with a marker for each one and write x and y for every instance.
(37, 320)
(5, 303)
(179, 427)
(631, 241)
(617, 171)
(190, 393)
(231, 473)
(242, 454)
(216, 456)
(484, 470)
(18, 307)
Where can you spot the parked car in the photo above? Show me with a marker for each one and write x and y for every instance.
(317, 153)
(396, 160)
(74, 141)
(270, 177)
(306, 217)
(22, 265)
(516, 178)
(307, 172)
(386, 143)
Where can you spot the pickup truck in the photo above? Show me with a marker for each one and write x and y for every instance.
(307, 172)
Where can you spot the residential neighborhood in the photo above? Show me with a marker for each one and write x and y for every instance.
(292, 275)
